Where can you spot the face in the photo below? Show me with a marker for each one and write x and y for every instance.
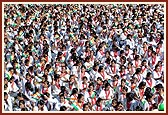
(45, 84)
(46, 72)
(157, 69)
(82, 99)
(91, 88)
(86, 108)
(83, 69)
(5, 81)
(114, 103)
(6, 97)
(21, 105)
(122, 83)
(62, 99)
(72, 79)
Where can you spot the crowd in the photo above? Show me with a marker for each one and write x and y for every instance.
(84, 57)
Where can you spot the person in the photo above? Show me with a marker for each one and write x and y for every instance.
(150, 82)
(86, 107)
(8, 102)
(131, 104)
(62, 102)
(40, 106)
(72, 52)
(107, 94)
(90, 95)
(156, 74)
(99, 105)
(78, 105)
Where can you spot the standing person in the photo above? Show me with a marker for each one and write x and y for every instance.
(99, 105)
(131, 104)
(13, 87)
(153, 60)
(138, 75)
(159, 95)
(90, 95)
(62, 102)
(86, 107)
(150, 82)
(102, 73)
(112, 69)
(71, 83)
(8, 105)
(84, 85)
(40, 106)
(107, 94)
(157, 75)
(78, 105)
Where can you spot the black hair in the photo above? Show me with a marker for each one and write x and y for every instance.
(139, 108)
(74, 91)
(147, 91)
(149, 96)
(28, 86)
(142, 84)
(5, 93)
(63, 88)
(12, 78)
(56, 76)
(130, 96)
(80, 96)
(99, 100)
(107, 84)
(22, 102)
(123, 80)
(85, 104)
(41, 102)
(84, 78)
(100, 68)
(24, 109)
(148, 74)
(117, 76)
(125, 88)
(63, 108)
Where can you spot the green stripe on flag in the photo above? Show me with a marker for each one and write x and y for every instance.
(75, 107)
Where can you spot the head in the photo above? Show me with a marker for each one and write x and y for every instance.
(63, 108)
(107, 86)
(114, 103)
(91, 87)
(80, 98)
(123, 82)
(142, 85)
(22, 104)
(86, 107)
(62, 98)
(149, 76)
(99, 102)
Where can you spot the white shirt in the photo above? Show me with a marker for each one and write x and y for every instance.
(106, 94)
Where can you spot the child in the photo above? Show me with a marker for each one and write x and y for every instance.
(99, 105)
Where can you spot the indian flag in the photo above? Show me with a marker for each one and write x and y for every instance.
(108, 102)
(11, 58)
(135, 36)
(75, 107)
(38, 65)
(153, 90)
(70, 99)
(143, 102)
(93, 95)
(8, 76)
(92, 40)
(14, 24)
(36, 96)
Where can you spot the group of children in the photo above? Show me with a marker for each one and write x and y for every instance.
(84, 57)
